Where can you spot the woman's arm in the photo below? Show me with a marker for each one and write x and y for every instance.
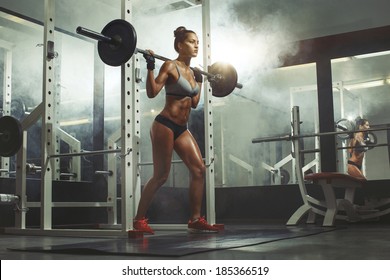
(154, 85)
(359, 143)
(196, 98)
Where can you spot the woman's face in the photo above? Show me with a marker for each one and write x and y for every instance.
(190, 45)
(365, 126)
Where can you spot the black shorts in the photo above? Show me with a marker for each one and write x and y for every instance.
(176, 129)
(354, 164)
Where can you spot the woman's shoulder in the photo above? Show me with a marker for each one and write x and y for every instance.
(169, 65)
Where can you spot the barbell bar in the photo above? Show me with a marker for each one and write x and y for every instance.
(290, 137)
(117, 43)
(211, 77)
(86, 153)
(369, 146)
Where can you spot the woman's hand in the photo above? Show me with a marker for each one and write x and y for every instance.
(198, 76)
(150, 61)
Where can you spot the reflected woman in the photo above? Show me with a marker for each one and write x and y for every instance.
(357, 149)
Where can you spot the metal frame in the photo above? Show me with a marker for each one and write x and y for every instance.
(48, 118)
(112, 179)
(244, 165)
(7, 96)
(130, 119)
(276, 169)
(316, 161)
(75, 147)
(208, 117)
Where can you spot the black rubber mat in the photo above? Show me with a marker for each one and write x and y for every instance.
(183, 243)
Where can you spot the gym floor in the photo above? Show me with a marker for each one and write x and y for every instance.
(359, 241)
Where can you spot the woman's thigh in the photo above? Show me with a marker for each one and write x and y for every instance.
(162, 148)
(188, 150)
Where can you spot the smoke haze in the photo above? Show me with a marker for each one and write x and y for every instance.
(252, 35)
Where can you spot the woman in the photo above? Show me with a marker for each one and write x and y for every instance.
(169, 130)
(358, 147)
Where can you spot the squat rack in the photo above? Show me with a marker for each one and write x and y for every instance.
(129, 141)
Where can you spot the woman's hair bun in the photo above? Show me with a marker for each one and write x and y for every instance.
(360, 121)
(180, 30)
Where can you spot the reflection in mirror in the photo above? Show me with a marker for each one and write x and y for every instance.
(361, 89)
(21, 75)
(262, 112)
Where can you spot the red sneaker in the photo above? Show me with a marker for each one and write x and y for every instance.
(200, 225)
(142, 225)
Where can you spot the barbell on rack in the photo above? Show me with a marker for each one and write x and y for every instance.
(289, 137)
(370, 144)
(117, 43)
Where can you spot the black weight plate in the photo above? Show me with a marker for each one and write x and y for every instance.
(371, 140)
(125, 34)
(285, 176)
(11, 136)
(224, 86)
(344, 125)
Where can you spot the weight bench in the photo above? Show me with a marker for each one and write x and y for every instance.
(331, 207)
(330, 204)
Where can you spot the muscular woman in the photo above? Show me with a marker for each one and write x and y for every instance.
(357, 150)
(169, 130)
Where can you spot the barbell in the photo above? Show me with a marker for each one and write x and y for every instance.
(345, 125)
(290, 137)
(117, 43)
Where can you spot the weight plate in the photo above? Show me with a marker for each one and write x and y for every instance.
(10, 136)
(117, 54)
(225, 79)
(371, 140)
(284, 176)
(344, 125)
